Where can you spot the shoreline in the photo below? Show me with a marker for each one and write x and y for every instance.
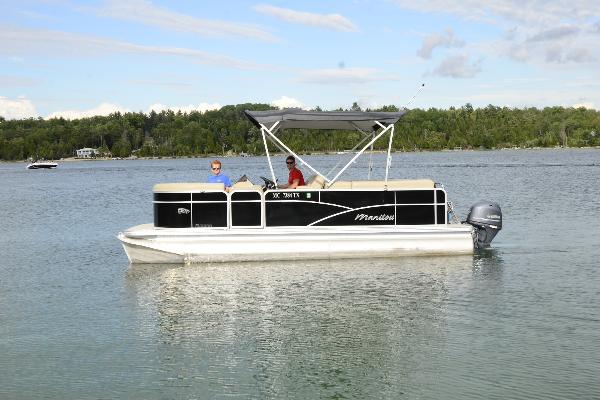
(73, 159)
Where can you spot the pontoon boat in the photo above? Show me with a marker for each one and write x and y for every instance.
(326, 218)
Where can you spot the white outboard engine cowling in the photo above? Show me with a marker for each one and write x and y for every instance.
(486, 217)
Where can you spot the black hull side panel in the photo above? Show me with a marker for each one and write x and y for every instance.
(297, 213)
(300, 208)
(356, 207)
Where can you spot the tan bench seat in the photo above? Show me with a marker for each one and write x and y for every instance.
(341, 185)
(314, 182)
(395, 184)
(246, 185)
(187, 187)
(411, 184)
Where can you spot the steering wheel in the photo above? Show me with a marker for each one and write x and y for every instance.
(269, 184)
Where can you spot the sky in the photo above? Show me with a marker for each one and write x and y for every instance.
(74, 59)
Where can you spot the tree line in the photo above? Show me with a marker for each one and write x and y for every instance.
(227, 130)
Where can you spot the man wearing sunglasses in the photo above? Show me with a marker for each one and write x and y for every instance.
(295, 178)
(217, 176)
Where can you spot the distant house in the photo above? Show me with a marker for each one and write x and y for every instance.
(86, 152)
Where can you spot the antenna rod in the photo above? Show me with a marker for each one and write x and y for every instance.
(415, 95)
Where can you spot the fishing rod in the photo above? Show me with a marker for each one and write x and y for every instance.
(389, 158)
(415, 95)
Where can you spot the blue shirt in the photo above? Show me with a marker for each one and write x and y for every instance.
(221, 178)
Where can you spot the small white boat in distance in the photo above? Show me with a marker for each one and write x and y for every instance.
(325, 219)
(42, 165)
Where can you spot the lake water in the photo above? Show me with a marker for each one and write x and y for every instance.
(518, 321)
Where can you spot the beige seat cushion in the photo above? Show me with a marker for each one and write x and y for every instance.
(315, 181)
(395, 184)
(256, 188)
(341, 185)
(188, 187)
(411, 184)
(368, 184)
(243, 185)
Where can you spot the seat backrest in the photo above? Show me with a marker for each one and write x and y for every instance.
(341, 185)
(368, 184)
(243, 185)
(395, 184)
(411, 184)
(315, 181)
(188, 187)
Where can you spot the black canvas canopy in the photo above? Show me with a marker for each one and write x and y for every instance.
(295, 118)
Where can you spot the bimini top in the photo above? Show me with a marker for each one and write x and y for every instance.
(295, 118)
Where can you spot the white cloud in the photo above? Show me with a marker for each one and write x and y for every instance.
(103, 109)
(537, 31)
(554, 33)
(343, 76)
(23, 108)
(457, 66)
(202, 107)
(561, 51)
(330, 21)
(563, 54)
(145, 12)
(518, 52)
(446, 39)
(16, 108)
(171, 84)
(537, 12)
(562, 44)
(538, 95)
(579, 55)
(56, 43)
(588, 105)
(16, 81)
(288, 102)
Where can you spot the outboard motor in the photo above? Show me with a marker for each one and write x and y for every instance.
(486, 217)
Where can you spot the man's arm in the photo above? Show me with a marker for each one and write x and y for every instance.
(294, 184)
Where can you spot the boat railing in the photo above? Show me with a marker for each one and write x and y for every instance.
(366, 185)
(246, 205)
(316, 183)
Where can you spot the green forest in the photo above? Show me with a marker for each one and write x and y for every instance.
(228, 131)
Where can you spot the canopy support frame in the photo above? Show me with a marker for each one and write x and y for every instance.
(270, 134)
(262, 131)
(380, 134)
(280, 143)
(388, 162)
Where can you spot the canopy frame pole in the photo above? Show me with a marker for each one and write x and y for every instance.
(391, 126)
(262, 131)
(351, 150)
(370, 167)
(360, 130)
(389, 153)
(276, 139)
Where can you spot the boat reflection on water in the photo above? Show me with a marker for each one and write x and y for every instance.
(487, 264)
(319, 328)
